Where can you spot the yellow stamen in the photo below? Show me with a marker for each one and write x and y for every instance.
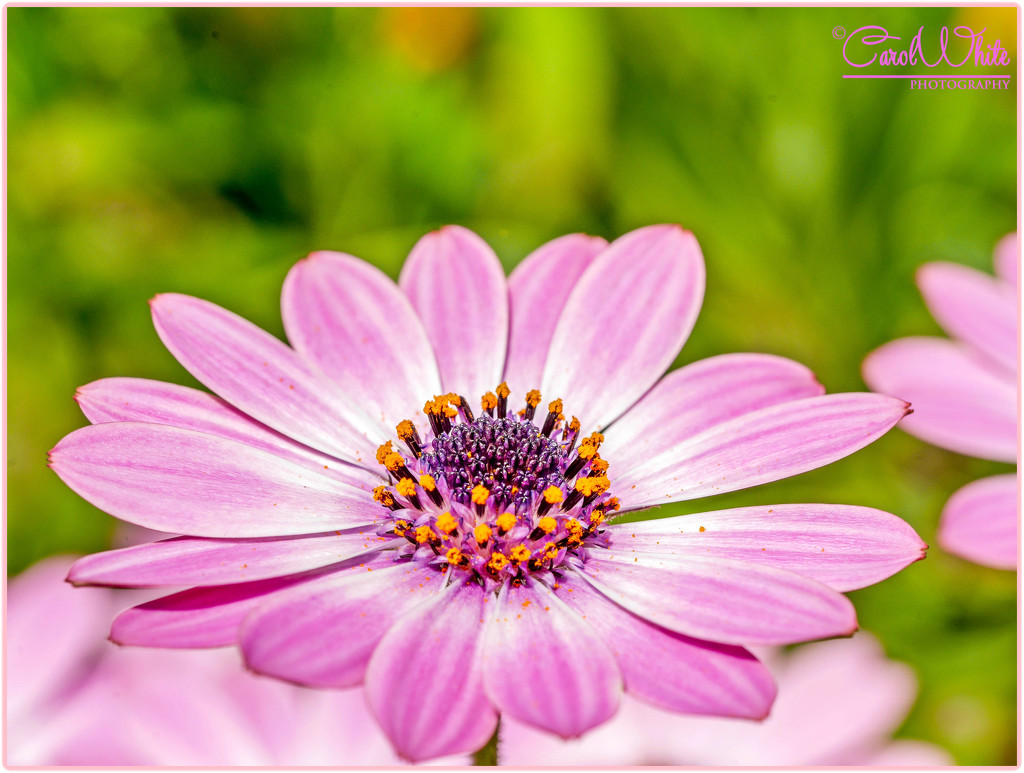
(503, 390)
(533, 398)
(547, 524)
(479, 494)
(482, 533)
(401, 527)
(592, 486)
(405, 487)
(498, 561)
(428, 482)
(489, 401)
(555, 406)
(587, 451)
(382, 496)
(425, 534)
(453, 556)
(596, 517)
(384, 451)
(612, 504)
(553, 495)
(598, 465)
(505, 521)
(551, 551)
(574, 425)
(446, 523)
(405, 430)
(520, 553)
(394, 461)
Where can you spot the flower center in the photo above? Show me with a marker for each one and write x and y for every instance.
(496, 495)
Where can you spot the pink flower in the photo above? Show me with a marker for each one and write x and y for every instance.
(76, 699)
(964, 393)
(839, 702)
(474, 572)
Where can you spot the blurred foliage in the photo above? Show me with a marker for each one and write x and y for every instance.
(204, 150)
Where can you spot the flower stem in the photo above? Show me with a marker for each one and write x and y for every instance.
(488, 753)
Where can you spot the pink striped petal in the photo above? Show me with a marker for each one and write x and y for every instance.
(263, 377)
(758, 447)
(974, 307)
(457, 286)
(721, 599)
(700, 395)
(323, 633)
(184, 482)
(1007, 259)
(423, 682)
(979, 522)
(959, 402)
(190, 561)
(356, 325)
(841, 546)
(624, 322)
(545, 666)
(538, 289)
(198, 617)
(672, 671)
(156, 402)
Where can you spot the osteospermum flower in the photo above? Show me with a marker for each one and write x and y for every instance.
(75, 699)
(418, 495)
(839, 703)
(965, 395)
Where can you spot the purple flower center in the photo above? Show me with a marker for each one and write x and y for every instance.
(496, 495)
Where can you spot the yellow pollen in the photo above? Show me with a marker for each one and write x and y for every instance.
(451, 411)
(382, 496)
(383, 452)
(446, 523)
(533, 398)
(598, 465)
(573, 526)
(425, 534)
(596, 517)
(503, 390)
(405, 430)
(431, 408)
(489, 401)
(520, 553)
(555, 406)
(551, 551)
(547, 524)
(498, 561)
(587, 451)
(612, 504)
(394, 461)
(574, 425)
(479, 494)
(482, 533)
(505, 521)
(406, 487)
(428, 482)
(453, 556)
(553, 495)
(591, 486)
(401, 527)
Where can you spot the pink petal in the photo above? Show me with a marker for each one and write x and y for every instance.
(190, 561)
(974, 307)
(423, 682)
(959, 402)
(198, 617)
(263, 377)
(538, 289)
(841, 546)
(700, 395)
(624, 322)
(52, 632)
(323, 633)
(185, 482)
(979, 522)
(720, 599)
(156, 402)
(1007, 259)
(758, 447)
(545, 666)
(457, 286)
(669, 670)
(351, 320)
(903, 754)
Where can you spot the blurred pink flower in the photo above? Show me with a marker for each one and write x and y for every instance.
(476, 573)
(74, 698)
(838, 704)
(964, 394)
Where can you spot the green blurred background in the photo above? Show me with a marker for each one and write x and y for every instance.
(206, 150)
